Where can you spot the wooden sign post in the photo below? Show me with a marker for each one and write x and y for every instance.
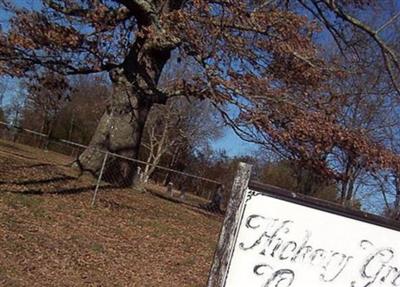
(230, 227)
(275, 238)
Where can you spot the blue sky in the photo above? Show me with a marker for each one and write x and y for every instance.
(233, 145)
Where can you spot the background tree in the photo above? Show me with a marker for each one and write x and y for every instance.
(14, 109)
(79, 117)
(2, 93)
(181, 126)
(289, 175)
(46, 95)
(2, 115)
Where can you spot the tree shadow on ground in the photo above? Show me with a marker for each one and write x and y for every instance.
(194, 207)
(38, 181)
(20, 155)
(63, 191)
(38, 165)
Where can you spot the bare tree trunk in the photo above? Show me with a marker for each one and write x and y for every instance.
(158, 147)
(350, 191)
(396, 205)
(174, 158)
(71, 126)
(50, 128)
(149, 169)
(119, 131)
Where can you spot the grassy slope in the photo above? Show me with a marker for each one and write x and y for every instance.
(50, 236)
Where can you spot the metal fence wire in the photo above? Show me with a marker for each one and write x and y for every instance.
(41, 176)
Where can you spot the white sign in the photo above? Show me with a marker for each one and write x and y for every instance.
(282, 244)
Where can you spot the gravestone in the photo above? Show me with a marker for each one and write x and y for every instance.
(275, 238)
(216, 200)
(170, 189)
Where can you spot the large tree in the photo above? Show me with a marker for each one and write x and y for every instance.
(258, 58)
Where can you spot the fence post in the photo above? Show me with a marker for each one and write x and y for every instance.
(229, 228)
(99, 178)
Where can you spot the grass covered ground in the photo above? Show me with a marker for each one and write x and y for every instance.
(51, 236)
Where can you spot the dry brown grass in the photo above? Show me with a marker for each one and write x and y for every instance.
(50, 236)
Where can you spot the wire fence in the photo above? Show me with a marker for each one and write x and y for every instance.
(115, 170)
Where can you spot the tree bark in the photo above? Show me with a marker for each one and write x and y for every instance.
(119, 131)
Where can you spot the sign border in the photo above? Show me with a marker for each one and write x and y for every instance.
(323, 205)
(237, 202)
